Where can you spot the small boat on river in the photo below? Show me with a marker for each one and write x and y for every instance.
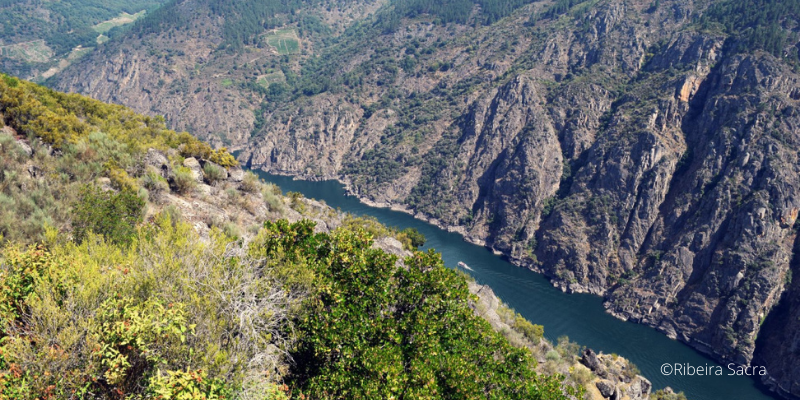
(465, 266)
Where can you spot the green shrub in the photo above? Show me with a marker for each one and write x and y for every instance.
(231, 230)
(189, 385)
(273, 200)
(121, 180)
(436, 347)
(154, 182)
(132, 337)
(172, 213)
(20, 273)
(566, 348)
(534, 333)
(213, 173)
(113, 215)
(184, 180)
(366, 223)
(18, 276)
(411, 238)
(582, 375)
(250, 183)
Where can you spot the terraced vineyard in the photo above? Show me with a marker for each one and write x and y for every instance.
(284, 41)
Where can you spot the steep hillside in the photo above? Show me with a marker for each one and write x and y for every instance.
(643, 151)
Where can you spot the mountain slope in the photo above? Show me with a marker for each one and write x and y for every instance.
(643, 151)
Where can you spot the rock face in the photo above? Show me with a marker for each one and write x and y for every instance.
(674, 194)
(617, 380)
(617, 149)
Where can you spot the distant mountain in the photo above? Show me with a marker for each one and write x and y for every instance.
(645, 151)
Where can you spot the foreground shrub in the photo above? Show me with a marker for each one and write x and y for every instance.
(132, 337)
(411, 238)
(102, 320)
(187, 385)
(250, 183)
(154, 182)
(171, 316)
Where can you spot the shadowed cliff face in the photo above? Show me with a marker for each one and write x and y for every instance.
(618, 149)
(777, 344)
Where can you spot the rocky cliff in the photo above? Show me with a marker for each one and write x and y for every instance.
(630, 149)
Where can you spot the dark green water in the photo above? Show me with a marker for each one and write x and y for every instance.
(579, 316)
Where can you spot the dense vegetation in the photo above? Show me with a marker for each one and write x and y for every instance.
(62, 120)
(63, 25)
(560, 7)
(371, 330)
(768, 25)
(172, 316)
(244, 21)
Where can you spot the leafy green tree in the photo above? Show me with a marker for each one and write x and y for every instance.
(372, 330)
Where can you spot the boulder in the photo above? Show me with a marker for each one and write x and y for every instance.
(35, 172)
(157, 160)
(591, 361)
(236, 174)
(606, 388)
(639, 389)
(194, 166)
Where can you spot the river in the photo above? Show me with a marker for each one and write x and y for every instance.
(579, 316)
